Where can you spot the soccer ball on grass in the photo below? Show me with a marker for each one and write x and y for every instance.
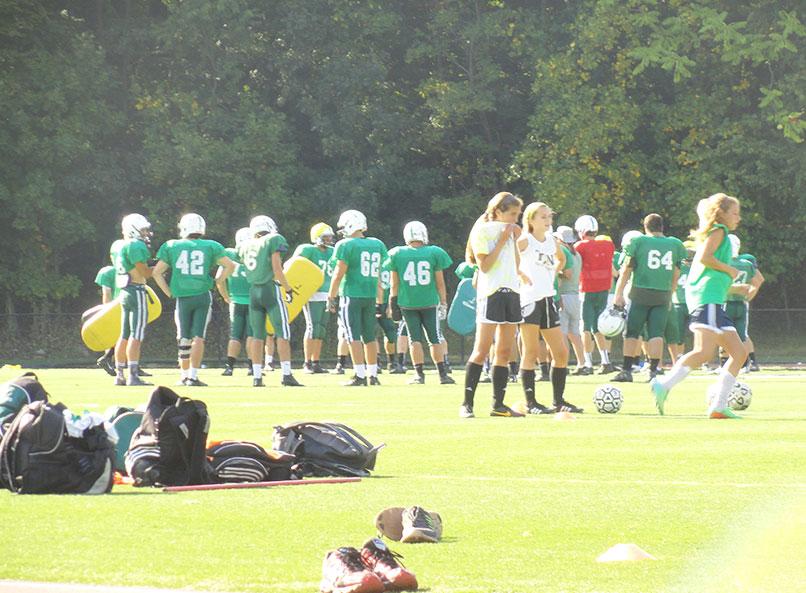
(608, 399)
(738, 399)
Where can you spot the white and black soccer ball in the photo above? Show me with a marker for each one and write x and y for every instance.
(608, 399)
(740, 396)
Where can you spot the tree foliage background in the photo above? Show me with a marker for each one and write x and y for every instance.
(418, 109)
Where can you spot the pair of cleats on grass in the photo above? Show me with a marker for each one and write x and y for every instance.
(526, 409)
(660, 393)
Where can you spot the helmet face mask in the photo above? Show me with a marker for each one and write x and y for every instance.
(415, 231)
(136, 226)
(262, 224)
(351, 221)
(191, 224)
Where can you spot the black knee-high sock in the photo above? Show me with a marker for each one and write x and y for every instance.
(628, 362)
(472, 376)
(230, 361)
(528, 380)
(500, 380)
(558, 383)
(343, 359)
(653, 364)
(544, 368)
(513, 367)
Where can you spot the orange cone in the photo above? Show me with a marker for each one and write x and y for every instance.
(564, 416)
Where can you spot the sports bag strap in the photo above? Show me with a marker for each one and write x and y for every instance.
(356, 436)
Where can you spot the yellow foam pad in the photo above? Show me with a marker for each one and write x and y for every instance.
(102, 329)
(305, 278)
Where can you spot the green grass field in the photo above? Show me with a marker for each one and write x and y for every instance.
(528, 503)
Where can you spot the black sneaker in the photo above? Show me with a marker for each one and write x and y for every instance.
(417, 380)
(307, 369)
(419, 526)
(754, 368)
(135, 382)
(338, 369)
(373, 380)
(607, 369)
(356, 382)
(317, 368)
(227, 372)
(290, 381)
(623, 377)
(269, 366)
(107, 364)
(194, 383)
(568, 407)
(446, 379)
(582, 371)
(257, 382)
(505, 412)
(397, 370)
(536, 408)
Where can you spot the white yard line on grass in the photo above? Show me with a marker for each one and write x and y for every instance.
(688, 483)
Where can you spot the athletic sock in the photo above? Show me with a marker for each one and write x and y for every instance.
(628, 362)
(500, 379)
(133, 364)
(752, 357)
(544, 368)
(653, 365)
(513, 367)
(372, 370)
(401, 358)
(285, 366)
(441, 369)
(120, 367)
(419, 369)
(472, 376)
(558, 376)
(269, 360)
(605, 356)
(588, 359)
(257, 370)
(343, 360)
(230, 361)
(193, 373)
(673, 377)
(360, 371)
(528, 381)
(724, 384)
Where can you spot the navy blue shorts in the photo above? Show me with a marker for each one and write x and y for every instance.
(712, 318)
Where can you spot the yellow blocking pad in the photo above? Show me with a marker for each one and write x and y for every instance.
(305, 278)
(102, 330)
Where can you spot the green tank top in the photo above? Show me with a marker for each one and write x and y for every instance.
(706, 286)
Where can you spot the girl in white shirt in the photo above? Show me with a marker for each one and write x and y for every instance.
(492, 247)
(541, 259)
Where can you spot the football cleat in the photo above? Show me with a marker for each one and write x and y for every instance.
(356, 381)
(417, 380)
(505, 412)
(317, 368)
(536, 408)
(565, 406)
(724, 414)
(257, 382)
(583, 370)
(373, 380)
(135, 381)
(107, 363)
(290, 381)
(623, 377)
(194, 383)
(227, 372)
(397, 369)
(446, 380)
(420, 526)
(344, 571)
(119, 381)
(386, 564)
(307, 369)
(338, 369)
(607, 369)
(660, 394)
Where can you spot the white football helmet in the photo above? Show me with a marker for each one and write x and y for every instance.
(136, 226)
(415, 231)
(191, 224)
(612, 322)
(735, 245)
(629, 237)
(351, 221)
(242, 236)
(586, 224)
(262, 224)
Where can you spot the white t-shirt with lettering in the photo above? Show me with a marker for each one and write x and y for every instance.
(504, 272)
(538, 263)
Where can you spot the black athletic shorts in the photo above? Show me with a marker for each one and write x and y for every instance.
(542, 313)
(502, 306)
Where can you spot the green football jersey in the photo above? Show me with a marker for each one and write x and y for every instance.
(320, 258)
(114, 248)
(363, 256)
(191, 261)
(237, 284)
(618, 261)
(256, 256)
(386, 279)
(654, 260)
(746, 272)
(415, 267)
(106, 278)
(128, 254)
(707, 286)
(679, 296)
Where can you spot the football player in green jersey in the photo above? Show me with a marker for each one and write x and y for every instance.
(743, 290)
(418, 289)
(262, 256)
(356, 282)
(389, 329)
(131, 266)
(752, 364)
(652, 264)
(105, 279)
(318, 251)
(707, 288)
(191, 260)
(677, 322)
(238, 288)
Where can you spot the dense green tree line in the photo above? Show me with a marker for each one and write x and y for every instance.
(416, 109)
